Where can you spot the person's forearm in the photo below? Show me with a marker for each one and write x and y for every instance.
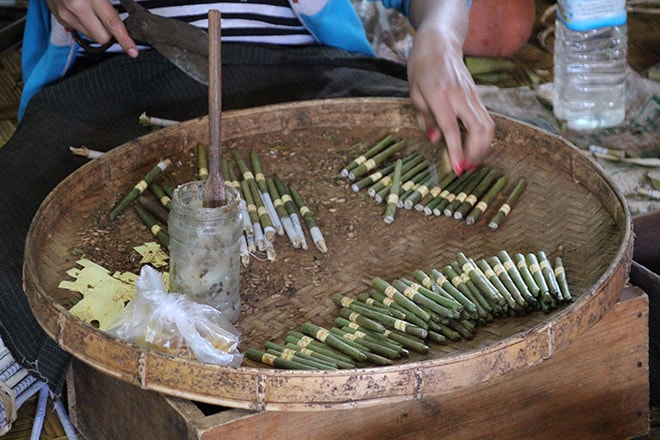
(448, 16)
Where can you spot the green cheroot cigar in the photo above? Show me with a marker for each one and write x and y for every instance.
(470, 201)
(424, 301)
(389, 290)
(560, 273)
(463, 194)
(320, 356)
(333, 341)
(549, 276)
(163, 198)
(363, 157)
(547, 301)
(371, 163)
(274, 360)
(444, 283)
(393, 195)
(478, 278)
(376, 354)
(295, 355)
(398, 310)
(304, 341)
(504, 285)
(158, 232)
(310, 221)
(482, 205)
(448, 194)
(139, 187)
(508, 205)
(415, 162)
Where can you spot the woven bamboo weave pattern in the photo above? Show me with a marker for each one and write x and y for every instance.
(568, 210)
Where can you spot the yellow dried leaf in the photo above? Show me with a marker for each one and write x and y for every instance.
(104, 295)
(97, 310)
(152, 254)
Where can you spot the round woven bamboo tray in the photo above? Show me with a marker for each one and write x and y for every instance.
(569, 209)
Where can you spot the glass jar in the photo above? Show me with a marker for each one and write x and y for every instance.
(204, 248)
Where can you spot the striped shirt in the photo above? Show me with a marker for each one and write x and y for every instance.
(248, 21)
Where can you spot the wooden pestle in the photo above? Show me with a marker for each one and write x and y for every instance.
(214, 189)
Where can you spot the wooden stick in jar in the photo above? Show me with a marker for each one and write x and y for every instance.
(214, 188)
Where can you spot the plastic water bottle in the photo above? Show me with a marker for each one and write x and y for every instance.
(590, 62)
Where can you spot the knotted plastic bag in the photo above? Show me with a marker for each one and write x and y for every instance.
(175, 324)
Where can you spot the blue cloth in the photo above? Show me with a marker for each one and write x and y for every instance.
(48, 51)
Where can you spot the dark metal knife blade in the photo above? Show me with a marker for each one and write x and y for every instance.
(183, 44)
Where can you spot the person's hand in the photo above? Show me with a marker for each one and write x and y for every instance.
(97, 19)
(442, 90)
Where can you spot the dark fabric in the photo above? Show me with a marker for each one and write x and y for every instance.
(99, 107)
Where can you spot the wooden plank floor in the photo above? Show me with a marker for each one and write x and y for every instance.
(22, 427)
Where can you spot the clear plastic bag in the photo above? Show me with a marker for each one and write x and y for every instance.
(175, 324)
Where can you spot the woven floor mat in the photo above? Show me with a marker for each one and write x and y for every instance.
(10, 93)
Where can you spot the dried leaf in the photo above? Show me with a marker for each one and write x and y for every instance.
(153, 254)
(104, 295)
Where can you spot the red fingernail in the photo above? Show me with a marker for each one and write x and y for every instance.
(434, 136)
(470, 167)
(458, 168)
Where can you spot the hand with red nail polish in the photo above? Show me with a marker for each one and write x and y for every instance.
(441, 87)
